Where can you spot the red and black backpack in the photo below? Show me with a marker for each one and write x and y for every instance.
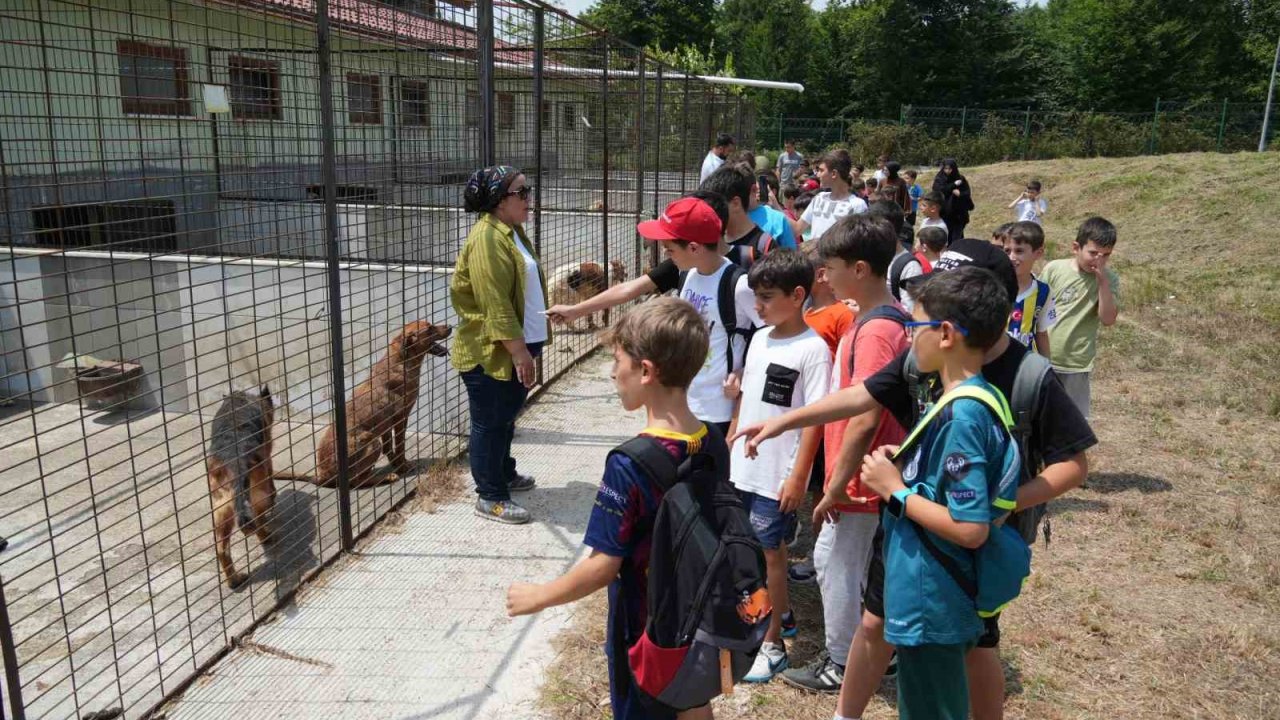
(707, 602)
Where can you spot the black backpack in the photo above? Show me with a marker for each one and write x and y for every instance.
(707, 602)
(726, 305)
(896, 267)
(1028, 386)
(744, 255)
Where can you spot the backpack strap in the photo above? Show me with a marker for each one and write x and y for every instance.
(764, 245)
(652, 459)
(1030, 307)
(925, 265)
(879, 312)
(895, 272)
(728, 307)
(915, 382)
(947, 562)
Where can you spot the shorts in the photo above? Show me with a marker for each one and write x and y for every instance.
(1077, 386)
(772, 526)
(990, 636)
(818, 474)
(873, 595)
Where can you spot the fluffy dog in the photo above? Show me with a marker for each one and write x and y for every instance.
(571, 284)
(239, 468)
(378, 412)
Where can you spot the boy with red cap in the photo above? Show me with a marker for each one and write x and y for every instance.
(691, 231)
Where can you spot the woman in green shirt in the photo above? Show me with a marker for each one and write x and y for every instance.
(499, 294)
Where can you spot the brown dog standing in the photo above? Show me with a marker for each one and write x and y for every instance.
(239, 469)
(378, 412)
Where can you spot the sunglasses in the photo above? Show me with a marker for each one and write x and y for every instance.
(523, 193)
(911, 326)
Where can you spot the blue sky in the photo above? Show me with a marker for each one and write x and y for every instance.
(578, 6)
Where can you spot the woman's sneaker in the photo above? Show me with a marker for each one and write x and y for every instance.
(521, 483)
(771, 660)
(822, 675)
(503, 511)
(789, 624)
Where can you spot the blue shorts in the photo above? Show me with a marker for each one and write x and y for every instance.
(772, 526)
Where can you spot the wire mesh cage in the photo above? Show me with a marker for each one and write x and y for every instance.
(226, 223)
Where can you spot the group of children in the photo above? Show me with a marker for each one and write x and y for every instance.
(815, 363)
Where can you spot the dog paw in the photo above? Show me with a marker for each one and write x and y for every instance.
(237, 581)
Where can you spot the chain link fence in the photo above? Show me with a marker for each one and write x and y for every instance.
(978, 135)
(208, 197)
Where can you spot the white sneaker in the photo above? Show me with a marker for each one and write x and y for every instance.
(771, 660)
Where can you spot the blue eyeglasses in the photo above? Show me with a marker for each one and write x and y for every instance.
(910, 326)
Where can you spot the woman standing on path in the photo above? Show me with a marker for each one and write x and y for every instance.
(499, 294)
(957, 200)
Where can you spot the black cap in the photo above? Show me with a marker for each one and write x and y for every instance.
(972, 251)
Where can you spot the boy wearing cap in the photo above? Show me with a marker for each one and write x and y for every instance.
(692, 236)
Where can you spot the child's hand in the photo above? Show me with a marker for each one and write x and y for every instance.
(523, 599)
(562, 314)
(825, 511)
(879, 474)
(732, 385)
(755, 434)
(792, 494)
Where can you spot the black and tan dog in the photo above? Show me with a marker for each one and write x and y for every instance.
(240, 476)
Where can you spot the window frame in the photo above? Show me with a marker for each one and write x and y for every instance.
(365, 117)
(180, 105)
(419, 120)
(505, 110)
(275, 110)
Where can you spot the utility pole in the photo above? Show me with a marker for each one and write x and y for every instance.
(1271, 91)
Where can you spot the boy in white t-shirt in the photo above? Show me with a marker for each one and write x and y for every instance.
(931, 211)
(1030, 206)
(826, 208)
(692, 235)
(788, 366)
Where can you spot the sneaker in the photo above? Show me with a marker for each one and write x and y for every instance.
(802, 573)
(771, 660)
(892, 670)
(789, 624)
(822, 675)
(522, 483)
(503, 511)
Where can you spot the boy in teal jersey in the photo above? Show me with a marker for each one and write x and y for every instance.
(959, 475)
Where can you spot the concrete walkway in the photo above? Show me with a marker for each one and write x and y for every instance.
(414, 625)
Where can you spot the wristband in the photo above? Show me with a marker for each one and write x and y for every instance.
(898, 502)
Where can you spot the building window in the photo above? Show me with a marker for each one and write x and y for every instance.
(364, 99)
(473, 109)
(255, 88)
(357, 194)
(415, 103)
(548, 117)
(506, 111)
(132, 225)
(153, 79)
(569, 114)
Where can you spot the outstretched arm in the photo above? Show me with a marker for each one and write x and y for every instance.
(848, 402)
(615, 295)
(588, 576)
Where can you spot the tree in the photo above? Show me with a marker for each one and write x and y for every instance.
(662, 24)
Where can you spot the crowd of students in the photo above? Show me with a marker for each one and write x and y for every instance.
(853, 346)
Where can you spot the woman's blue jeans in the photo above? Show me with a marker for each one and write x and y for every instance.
(494, 405)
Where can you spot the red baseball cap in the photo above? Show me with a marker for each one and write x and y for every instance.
(688, 220)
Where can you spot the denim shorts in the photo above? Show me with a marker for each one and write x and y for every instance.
(772, 526)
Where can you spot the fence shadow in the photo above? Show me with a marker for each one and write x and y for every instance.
(1107, 483)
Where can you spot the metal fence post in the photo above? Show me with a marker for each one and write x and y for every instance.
(639, 147)
(1155, 125)
(657, 141)
(684, 138)
(964, 116)
(539, 57)
(484, 78)
(1026, 134)
(902, 115)
(329, 173)
(604, 176)
(10, 655)
(1222, 125)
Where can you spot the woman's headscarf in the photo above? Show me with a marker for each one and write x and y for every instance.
(487, 186)
(942, 182)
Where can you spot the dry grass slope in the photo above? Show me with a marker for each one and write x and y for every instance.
(1160, 595)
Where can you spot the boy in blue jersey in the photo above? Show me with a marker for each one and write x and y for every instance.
(658, 348)
(959, 475)
(1033, 310)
